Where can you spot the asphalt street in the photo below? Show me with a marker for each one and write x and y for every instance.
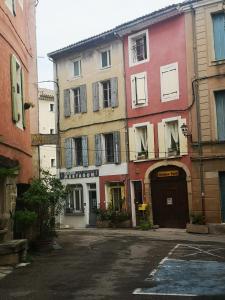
(110, 264)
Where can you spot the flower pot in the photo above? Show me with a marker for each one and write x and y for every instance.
(196, 228)
(102, 224)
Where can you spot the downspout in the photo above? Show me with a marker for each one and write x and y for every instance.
(199, 127)
(126, 125)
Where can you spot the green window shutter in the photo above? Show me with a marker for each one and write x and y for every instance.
(116, 145)
(15, 115)
(83, 98)
(95, 91)
(22, 98)
(114, 91)
(85, 151)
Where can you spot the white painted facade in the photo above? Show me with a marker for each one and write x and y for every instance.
(47, 126)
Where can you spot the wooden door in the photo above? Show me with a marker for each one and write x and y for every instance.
(169, 198)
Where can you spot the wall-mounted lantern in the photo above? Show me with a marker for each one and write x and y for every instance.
(185, 130)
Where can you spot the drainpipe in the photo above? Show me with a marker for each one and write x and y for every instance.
(197, 100)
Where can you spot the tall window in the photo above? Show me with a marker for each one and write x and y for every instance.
(116, 197)
(109, 148)
(74, 202)
(219, 35)
(78, 151)
(220, 114)
(106, 92)
(105, 59)
(142, 142)
(51, 107)
(77, 101)
(138, 48)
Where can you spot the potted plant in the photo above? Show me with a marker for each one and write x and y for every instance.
(197, 224)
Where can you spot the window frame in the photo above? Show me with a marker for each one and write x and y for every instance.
(131, 39)
(72, 192)
(51, 107)
(108, 56)
(78, 106)
(102, 93)
(77, 157)
(212, 15)
(104, 146)
(53, 163)
(77, 60)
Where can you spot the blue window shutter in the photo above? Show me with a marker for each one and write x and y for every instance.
(69, 153)
(114, 91)
(220, 114)
(98, 149)
(95, 91)
(85, 151)
(219, 35)
(116, 145)
(83, 98)
(15, 115)
(67, 110)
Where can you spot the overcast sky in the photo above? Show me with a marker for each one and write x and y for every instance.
(60, 23)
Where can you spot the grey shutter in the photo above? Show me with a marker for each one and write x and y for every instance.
(15, 115)
(98, 150)
(114, 91)
(83, 98)
(69, 153)
(116, 146)
(67, 110)
(85, 151)
(95, 91)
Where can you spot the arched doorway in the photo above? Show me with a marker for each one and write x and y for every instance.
(169, 197)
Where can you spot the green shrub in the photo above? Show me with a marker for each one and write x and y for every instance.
(197, 218)
(145, 225)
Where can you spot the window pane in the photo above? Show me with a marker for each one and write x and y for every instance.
(173, 145)
(76, 65)
(105, 62)
(109, 151)
(142, 142)
(140, 48)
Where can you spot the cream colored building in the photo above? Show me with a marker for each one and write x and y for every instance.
(205, 36)
(47, 126)
(92, 126)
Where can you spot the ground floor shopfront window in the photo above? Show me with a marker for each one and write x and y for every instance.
(74, 202)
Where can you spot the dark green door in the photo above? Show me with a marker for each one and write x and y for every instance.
(222, 192)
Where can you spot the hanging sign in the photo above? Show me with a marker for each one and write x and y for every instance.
(173, 173)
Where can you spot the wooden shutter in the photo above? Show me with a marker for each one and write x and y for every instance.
(83, 98)
(114, 91)
(85, 151)
(116, 146)
(95, 91)
(15, 115)
(151, 142)
(161, 140)
(68, 153)
(98, 149)
(132, 145)
(67, 108)
(219, 35)
(220, 115)
(182, 139)
(169, 82)
(140, 82)
(22, 98)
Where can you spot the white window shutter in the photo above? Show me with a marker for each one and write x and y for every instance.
(141, 89)
(161, 139)
(151, 142)
(169, 82)
(182, 138)
(132, 145)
